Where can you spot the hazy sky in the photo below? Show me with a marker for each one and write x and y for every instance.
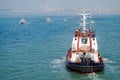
(66, 4)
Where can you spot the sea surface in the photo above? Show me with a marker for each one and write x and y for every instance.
(36, 50)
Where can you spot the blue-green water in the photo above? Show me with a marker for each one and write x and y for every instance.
(36, 50)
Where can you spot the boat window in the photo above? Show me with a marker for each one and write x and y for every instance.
(93, 35)
(84, 40)
(75, 35)
(75, 38)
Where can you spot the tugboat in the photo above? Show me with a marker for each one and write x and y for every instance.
(83, 56)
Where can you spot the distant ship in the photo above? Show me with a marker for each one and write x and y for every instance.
(92, 21)
(22, 21)
(48, 19)
(83, 56)
(64, 20)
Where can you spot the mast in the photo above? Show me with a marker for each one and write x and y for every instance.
(85, 15)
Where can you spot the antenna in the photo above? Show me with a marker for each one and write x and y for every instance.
(84, 15)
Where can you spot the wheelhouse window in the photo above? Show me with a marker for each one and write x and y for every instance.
(84, 40)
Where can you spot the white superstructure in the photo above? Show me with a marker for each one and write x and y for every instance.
(84, 43)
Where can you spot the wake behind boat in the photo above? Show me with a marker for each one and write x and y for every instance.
(83, 56)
